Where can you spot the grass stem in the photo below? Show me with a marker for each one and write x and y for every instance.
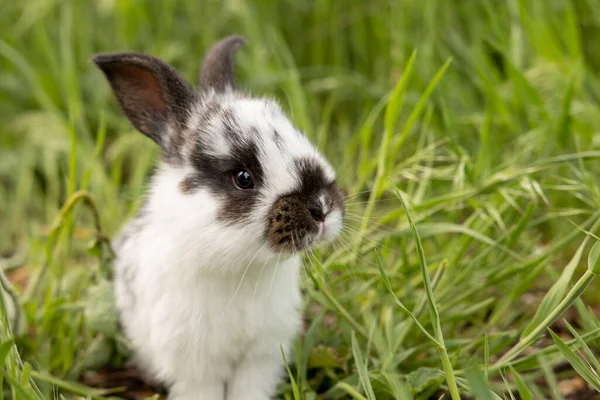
(435, 316)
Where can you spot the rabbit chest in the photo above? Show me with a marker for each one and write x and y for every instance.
(206, 322)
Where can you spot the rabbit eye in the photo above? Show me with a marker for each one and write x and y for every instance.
(243, 180)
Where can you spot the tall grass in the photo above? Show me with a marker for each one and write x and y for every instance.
(483, 116)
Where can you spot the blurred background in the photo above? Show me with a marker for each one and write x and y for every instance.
(329, 63)
(485, 114)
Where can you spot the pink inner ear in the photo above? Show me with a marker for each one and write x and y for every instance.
(142, 87)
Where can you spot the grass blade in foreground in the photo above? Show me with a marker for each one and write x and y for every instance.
(409, 313)
(556, 292)
(583, 369)
(521, 386)
(572, 296)
(478, 384)
(391, 112)
(435, 316)
(363, 373)
(295, 389)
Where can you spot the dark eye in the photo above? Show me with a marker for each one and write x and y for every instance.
(243, 180)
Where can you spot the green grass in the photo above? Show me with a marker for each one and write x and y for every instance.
(481, 118)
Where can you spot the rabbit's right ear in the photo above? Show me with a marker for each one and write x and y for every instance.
(155, 98)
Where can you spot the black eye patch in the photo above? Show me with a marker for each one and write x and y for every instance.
(215, 174)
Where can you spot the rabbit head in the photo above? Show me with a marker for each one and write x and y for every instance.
(236, 177)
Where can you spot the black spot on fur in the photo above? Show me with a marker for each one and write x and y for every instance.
(312, 177)
(278, 140)
(210, 110)
(232, 129)
(190, 184)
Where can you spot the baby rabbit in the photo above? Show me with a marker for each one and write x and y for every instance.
(207, 273)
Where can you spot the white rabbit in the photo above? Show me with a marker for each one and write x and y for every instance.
(207, 273)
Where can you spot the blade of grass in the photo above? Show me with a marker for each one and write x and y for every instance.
(550, 377)
(521, 386)
(295, 389)
(588, 352)
(587, 373)
(435, 317)
(553, 315)
(556, 292)
(404, 309)
(391, 115)
(478, 385)
(361, 366)
(350, 391)
(416, 112)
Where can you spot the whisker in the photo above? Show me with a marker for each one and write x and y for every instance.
(315, 263)
(372, 228)
(294, 251)
(275, 271)
(293, 244)
(259, 276)
(373, 243)
(357, 194)
(313, 266)
(352, 276)
(360, 234)
(359, 216)
(244, 274)
(373, 201)
(358, 253)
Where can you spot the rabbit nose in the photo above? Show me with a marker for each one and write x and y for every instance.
(317, 213)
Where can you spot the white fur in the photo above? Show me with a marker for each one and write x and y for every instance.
(208, 306)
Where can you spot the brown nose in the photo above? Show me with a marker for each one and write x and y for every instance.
(317, 213)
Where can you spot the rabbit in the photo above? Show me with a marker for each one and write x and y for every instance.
(207, 272)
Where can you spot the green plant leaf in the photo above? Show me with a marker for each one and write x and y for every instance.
(396, 100)
(325, 357)
(521, 386)
(478, 384)
(350, 391)
(587, 373)
(363, 373)
(295, 389)
(556, 293)
(583, 345)
(399, 303)
(5, 349)
(424, 378)
(594, 259)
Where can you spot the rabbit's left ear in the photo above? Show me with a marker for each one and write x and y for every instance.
(155, 98)
(218, 68)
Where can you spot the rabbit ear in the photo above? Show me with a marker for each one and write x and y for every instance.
(151, 93)
(218, 67)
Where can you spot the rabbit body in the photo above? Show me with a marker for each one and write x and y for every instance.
(207, 273)
(219, 334)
